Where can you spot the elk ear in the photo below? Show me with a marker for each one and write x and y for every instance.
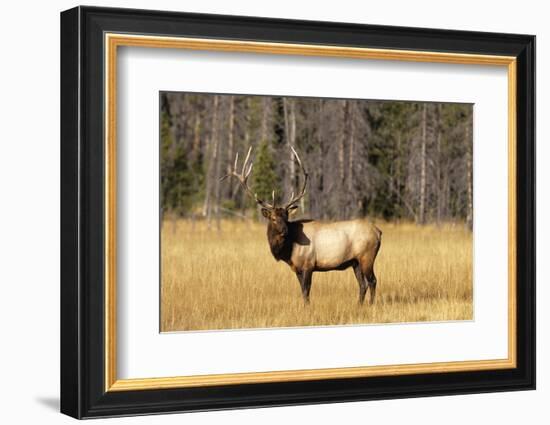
(266, 213)
(291, 210)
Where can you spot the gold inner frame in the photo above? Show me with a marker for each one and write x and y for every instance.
(113, 41)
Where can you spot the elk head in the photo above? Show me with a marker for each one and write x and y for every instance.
(277, 215)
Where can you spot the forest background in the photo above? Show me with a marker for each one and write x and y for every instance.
(383, 159)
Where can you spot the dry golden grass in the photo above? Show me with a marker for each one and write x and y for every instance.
(228, 279)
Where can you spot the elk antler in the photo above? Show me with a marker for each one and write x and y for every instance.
(294, 199)
(242, 177)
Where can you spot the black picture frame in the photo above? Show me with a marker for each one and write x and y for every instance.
(83, 392)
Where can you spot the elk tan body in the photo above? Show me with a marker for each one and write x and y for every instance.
(330, 246)
(309, 246)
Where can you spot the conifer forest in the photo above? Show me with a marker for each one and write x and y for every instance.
(386, 159)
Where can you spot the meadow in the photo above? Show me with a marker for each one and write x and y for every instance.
(227, 279)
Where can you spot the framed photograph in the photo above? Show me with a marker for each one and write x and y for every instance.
(260, 212)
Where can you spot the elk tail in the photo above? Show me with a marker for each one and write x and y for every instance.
(378, 238)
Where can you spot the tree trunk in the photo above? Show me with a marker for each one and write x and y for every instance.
(213, 145)
(352, 198)
(438, 166)
(241, 193)
(290, 127)
(341, 207)
(265, 116)
(399, 182)
(469, 172)
(342, 145)
(196, 137)
(421, 212)
(230, 144)
(321, 196)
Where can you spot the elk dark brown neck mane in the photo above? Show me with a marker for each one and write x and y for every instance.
(281, 241)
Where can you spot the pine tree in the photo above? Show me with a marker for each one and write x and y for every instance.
(177, 191)
(264, 176)
(166, 142)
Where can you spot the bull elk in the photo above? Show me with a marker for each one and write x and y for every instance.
(309, 246)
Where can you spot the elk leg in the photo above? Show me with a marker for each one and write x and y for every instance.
(305, 283)
(361, 281)
(371, 279)
(307, 275)
(300, 276)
